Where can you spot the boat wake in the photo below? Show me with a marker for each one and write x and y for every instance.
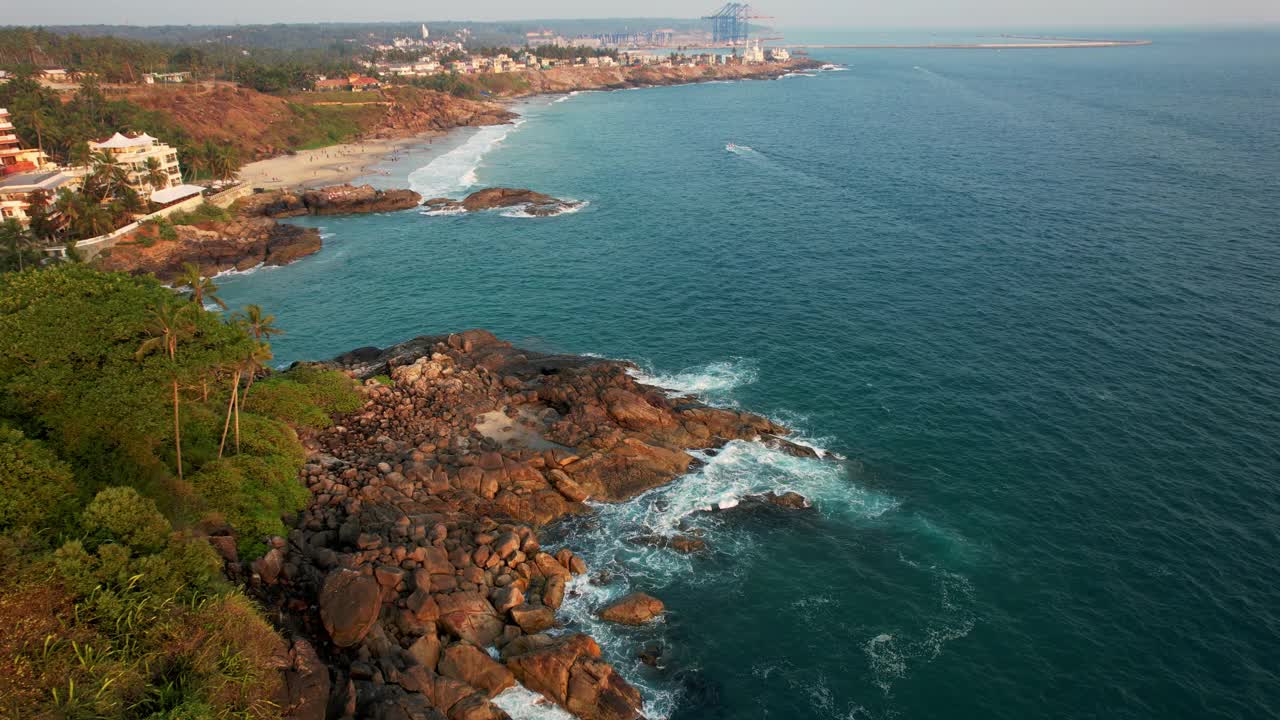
(739, 149)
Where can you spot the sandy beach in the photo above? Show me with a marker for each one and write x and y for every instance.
(328, 165)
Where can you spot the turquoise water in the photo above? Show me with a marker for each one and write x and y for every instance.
(1029, 302)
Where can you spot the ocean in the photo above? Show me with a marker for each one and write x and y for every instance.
(1026, 302)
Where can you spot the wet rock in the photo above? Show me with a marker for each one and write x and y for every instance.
(569, 671)
(634, 609)
(533, 618)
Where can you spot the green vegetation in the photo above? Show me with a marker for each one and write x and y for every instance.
(319, 126)
(117, 403)
(206, 212)
(305, 396)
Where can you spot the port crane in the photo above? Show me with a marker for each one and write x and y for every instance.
(731, 24)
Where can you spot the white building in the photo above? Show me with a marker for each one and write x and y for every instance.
(16, 191)
(134, 152)
(753, 53)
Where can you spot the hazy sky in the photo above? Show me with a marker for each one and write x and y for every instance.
(837, 13)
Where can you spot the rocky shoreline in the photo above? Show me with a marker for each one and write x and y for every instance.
(215, 247)
(253, 237)
(415, 583)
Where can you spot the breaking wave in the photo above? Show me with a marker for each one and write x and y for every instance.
(521, 211)
(712, 382)
(522, 703)
(456, 170)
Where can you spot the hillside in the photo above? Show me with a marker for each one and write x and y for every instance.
(262, 125)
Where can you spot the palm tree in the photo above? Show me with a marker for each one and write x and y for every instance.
(18, 241)
(202, 288)
(169, 322)
(260, 327)
(107, 176)
(252, 363)
(155, 176)
(233, 405)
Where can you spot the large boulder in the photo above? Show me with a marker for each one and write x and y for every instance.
(469, 616)
(349, 605)
(634, 609)
(468, 663)
(570, 672)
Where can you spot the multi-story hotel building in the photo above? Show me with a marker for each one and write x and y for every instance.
(13, 158)
(133, 152)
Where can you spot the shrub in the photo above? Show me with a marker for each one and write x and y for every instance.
(305, 396)
(124, 515)
(206, 212)
(37, 490)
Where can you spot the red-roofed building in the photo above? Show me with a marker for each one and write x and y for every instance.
(354, 82)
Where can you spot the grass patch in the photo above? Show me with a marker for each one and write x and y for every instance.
(206, 212)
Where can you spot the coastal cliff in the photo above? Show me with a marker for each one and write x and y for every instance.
(419, 550)
(238, 244)
(251, 237)
(568, 79)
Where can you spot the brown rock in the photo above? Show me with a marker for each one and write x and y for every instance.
(469, 616)
(553, 592)
(426, 649)
(506, 598)
(533, 618)
(465, 662)
(349, 605)
(634, 609)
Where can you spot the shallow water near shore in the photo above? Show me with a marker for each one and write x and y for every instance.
(1027, 302)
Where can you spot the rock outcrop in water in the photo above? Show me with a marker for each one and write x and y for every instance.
(419, 550)
(532, 203)
(332, 200)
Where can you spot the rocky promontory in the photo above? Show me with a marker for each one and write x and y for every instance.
(238, 244)
(333, 200)
(532, 203)
(417, 571)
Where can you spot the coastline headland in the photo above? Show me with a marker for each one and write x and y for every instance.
(408, 124)
(416, 570)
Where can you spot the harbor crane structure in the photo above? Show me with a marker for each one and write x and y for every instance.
(731, 24)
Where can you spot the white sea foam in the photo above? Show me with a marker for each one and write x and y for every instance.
(609, 542)
(232, 272)
(712, 381)
(522, 211)
(523, 704)
(445, 211)
(456, 170)
(796, 74)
